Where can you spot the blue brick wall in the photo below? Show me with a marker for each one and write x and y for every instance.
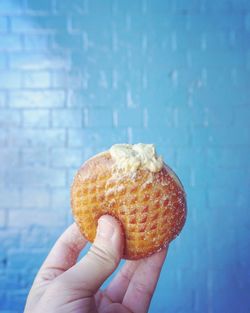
(77, 76)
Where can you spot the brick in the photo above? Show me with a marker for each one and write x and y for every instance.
(83, 98)
(3, 61)
(240, 294)
(67, 118)
(248, 60)
(10, 197)
(3, 300)
(77, 7)
(124, 117)
(213, 97)
(228, 157)
(36, 79)
(218, 41)
(2, 276)
(16, 299)
(19, 258)
(10, 42)
(59, 79)
(37, 238)
(19, 218)
(35, 156)
(241, 116)
(217, 59)
(3, 24)
(3, 258)
(238, 78)
(13, 279)
(38, 61)
(2, 218)
(10, 7)
(220, 177)
(36, 118)
(215, 78)
(214, 22)
(247, 22)
(227, 7)
(37, 6)
(35, 198)
(35, 177)
(161, 117)
(19, 24)
(173, 96)
(37, 138)
(87, 23)
(186, 40)
(99, 117)
(9, 80)
(9, 239)
(35, 42)
(168, 137)
(186, 156)
(3, 99)
(75, 41)
(221, 116)
(60, 198)
(145, 136)
(184, 115)
(38, 99)
(3, 137)
(66, 157)
(10, 118)
(220, 136)
(182, 6)
(96, 137)
(215, 198)
(71, 172)
(197, 198)
(9, 157)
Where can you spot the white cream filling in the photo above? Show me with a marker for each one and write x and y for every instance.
(132, 157)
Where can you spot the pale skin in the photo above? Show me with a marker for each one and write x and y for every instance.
(67, 286)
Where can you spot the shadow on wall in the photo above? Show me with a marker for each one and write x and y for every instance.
(78, 76)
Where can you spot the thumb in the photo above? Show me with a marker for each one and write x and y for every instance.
(101, 260)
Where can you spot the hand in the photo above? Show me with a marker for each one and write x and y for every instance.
(64, 286)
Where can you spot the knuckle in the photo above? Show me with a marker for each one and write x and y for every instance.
(104, 255)
(142, 289)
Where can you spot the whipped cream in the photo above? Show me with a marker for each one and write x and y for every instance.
(132, 157)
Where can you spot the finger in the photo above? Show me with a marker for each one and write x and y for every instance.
(116, 307)
(119, 285)
(143, 283)
(63, 255)
(86, 277)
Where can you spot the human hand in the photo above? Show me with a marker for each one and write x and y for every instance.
(65, 286)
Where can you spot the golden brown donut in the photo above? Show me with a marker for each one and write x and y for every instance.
(149, 204)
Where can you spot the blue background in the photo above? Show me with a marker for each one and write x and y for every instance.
(77, 76)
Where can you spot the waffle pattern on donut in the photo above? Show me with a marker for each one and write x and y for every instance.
(151, 207)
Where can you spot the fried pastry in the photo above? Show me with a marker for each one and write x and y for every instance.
(133, 184)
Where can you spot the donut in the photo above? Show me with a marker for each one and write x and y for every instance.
(134, 185)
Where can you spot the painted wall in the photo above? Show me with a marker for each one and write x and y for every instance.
(77, 76)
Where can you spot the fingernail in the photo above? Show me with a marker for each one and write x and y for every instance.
(105, 229)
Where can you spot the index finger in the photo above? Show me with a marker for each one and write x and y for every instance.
(63, 255)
